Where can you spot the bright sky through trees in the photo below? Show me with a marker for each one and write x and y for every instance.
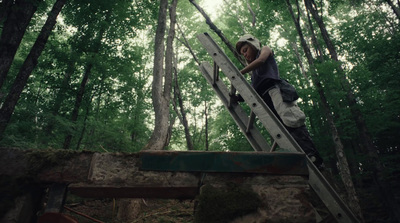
(212, 7)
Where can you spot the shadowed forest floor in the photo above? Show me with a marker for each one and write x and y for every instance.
(151, 210)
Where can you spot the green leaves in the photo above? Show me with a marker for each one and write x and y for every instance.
(117, 105)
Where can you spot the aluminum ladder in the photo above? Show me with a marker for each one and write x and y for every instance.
(338, 209)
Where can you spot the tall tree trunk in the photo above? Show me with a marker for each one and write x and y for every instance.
(139, 107)
(317, 47)
(78, 101)
(161, 87)
(181, 113)
(344, 167)
(17, 15)
(78, 144)
(219, 33)
(364, 134)
(29, 64)
(206, 124)
(299, 60)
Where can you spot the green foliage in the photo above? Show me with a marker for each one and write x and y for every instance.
(116, 40)
(226, 134)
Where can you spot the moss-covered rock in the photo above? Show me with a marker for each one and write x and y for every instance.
(41, 159)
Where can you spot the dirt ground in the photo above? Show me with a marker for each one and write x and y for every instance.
(146, 210)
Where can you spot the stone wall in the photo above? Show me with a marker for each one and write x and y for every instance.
(274, 193)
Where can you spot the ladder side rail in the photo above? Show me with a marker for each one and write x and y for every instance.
(256, 139)
(336, 206)
(250, 96)
(320, 185)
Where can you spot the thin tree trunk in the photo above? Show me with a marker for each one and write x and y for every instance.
(206, 124)
(139, 107)
(319, 53)
(29, 64)
(17, 16)
(219, 33)
(344, 170)
(187, 45)
(169, 132)
(78, 144)
(300, 61)
(161, 87)
(78, 101)
(317, 47)
(253, 15)
(181, 113)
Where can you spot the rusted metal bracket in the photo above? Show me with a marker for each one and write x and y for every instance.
(54, 207)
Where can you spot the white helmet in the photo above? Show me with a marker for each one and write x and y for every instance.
(247, 38)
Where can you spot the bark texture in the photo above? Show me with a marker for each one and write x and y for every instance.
(162, 81)
(16, 16)
(30, 63)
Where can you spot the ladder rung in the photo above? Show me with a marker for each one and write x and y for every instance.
(241, 117)
(251, 121)
(232, 93)
(215, 73)
(233, 90)
(273, 147)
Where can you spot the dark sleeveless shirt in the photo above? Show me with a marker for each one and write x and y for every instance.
(265, 76)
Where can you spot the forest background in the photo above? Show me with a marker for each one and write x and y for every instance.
(81, 75)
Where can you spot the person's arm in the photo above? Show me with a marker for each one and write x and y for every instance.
(264, 54)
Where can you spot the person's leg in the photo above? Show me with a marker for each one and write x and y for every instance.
(293, 119)
(303, 138)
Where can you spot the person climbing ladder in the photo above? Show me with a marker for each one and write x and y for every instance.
(277, 93)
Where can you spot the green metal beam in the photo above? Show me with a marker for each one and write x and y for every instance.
(227, 162)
